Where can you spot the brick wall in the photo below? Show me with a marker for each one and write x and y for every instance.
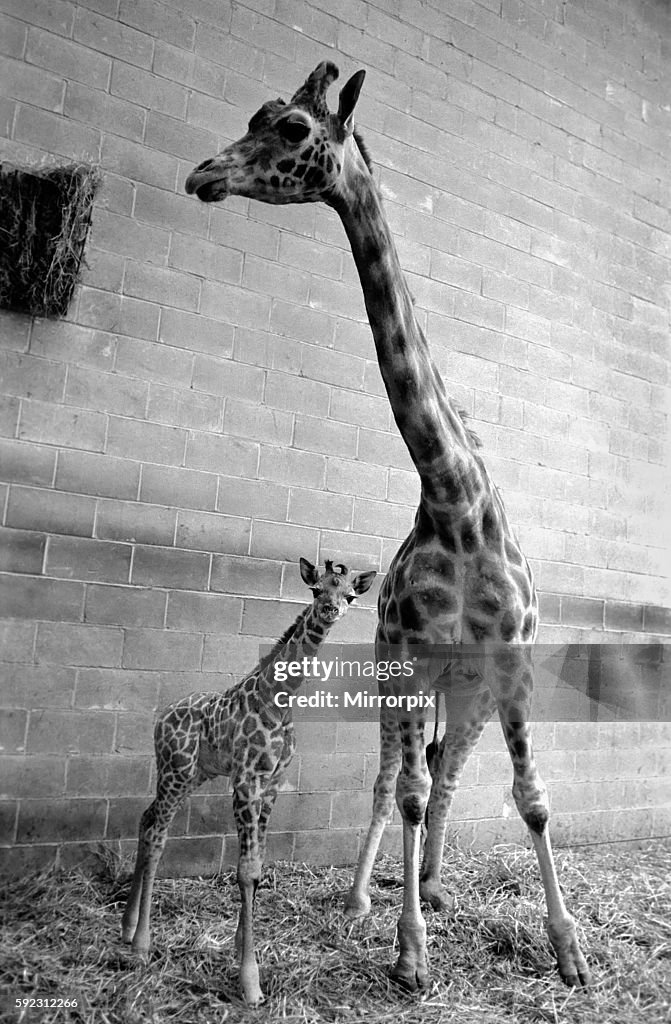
(211, 408)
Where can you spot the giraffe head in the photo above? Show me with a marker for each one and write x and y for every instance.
(292, 153)
(334, 589)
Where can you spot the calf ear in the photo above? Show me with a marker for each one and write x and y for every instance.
(362, 582)
(308, 572)
(349, 94)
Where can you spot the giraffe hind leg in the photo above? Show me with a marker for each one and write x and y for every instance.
(152, 836)
(151, 841)
(357, 903)
(512, 689)
(132, 908)
(464, 725)
(411, 970)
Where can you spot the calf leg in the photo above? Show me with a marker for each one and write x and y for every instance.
(153, 833)
(247, 807)
(176, 741)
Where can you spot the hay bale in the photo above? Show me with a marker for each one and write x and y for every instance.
(44, 222)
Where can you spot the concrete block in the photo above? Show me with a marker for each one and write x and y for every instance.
(22, 551)
(60, 425)
(206, 613)
(34, 686)
(312, 433)
(104, 34)
(218, 533)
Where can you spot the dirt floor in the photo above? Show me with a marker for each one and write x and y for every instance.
(490, 959)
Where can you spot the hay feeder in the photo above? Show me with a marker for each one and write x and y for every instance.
(45, 215)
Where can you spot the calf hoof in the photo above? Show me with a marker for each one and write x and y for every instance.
(577, 978)
(141, 945)
(436, 896)
(251, 986)
(573, 969)
(254, 999)
(357, 905)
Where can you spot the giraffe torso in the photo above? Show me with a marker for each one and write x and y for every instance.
(459, 579)
(241, 732)
(218, 733)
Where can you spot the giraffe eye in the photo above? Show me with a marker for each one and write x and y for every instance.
(293, 129)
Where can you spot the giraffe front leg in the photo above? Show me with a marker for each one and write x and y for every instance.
(248, 881)
(249, 875)
(412, 790)
(267, 804)
(247, 809)
(357, 903)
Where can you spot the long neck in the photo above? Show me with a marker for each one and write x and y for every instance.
(301, 641)
(439, 444)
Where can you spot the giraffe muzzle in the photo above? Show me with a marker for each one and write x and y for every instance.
(207, 188)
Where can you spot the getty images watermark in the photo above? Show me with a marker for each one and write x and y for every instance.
(323, 669)
(572, 682)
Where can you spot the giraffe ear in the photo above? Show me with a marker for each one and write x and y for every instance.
(363, 582)
(308, 572)
(349, 94)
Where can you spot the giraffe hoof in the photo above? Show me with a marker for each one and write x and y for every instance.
(578, 976)
(583, 979)
(140, 946)
(573, 969)
(357, 906)
(436, 896)
(254, 1000)
(250, 984)
(408, 979)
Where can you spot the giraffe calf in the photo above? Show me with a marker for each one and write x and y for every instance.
(243, 734)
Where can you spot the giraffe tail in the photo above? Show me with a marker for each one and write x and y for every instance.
(433, 749)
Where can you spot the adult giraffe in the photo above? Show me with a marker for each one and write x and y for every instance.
(460, 575)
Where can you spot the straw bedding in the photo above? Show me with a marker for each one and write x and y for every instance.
(489, 958)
